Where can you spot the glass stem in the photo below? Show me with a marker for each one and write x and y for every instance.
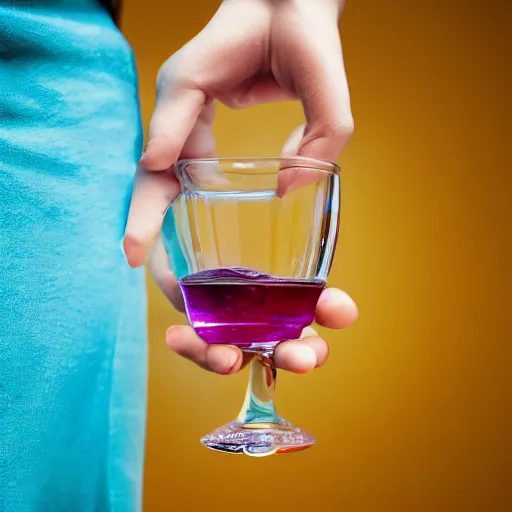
(259, 406)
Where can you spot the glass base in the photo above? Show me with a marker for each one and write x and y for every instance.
(258, 439)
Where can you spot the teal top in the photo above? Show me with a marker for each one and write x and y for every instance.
(73, 314)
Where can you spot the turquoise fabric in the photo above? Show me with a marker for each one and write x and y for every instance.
(72, 313)
(175, 253)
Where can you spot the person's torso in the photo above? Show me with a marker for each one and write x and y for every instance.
(69, 113)
(72, 323)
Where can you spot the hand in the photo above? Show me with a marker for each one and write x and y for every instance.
(251, 52)
(335, 309)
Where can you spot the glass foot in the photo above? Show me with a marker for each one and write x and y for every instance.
(258, 439)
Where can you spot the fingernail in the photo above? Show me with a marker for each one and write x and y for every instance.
(308, 332)
(144, 151)
(232, 359)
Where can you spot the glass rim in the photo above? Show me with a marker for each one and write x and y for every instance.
(290, 162)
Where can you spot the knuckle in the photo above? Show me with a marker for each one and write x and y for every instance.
(340, 131)
(186, 68)
(327, 137)
(166, 72)
(172, 71)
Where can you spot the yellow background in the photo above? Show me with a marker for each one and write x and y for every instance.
(412, 412)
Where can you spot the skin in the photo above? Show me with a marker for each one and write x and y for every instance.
(251, 52)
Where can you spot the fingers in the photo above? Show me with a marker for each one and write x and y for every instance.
(302, 356)
(316, 70)
(224, 359)
(321, 84)
(181, 125)
(221, 359)
(292, 175)
(201, 142)
(299, 356)
(184, 341)
(158, 265)
(152, 195)
(262, 89)
(176, 111)
(291, 146)
(335, 309)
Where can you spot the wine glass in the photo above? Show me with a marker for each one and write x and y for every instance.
(251, 242)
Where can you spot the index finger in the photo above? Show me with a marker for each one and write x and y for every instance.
(177, 125)
(153, 192)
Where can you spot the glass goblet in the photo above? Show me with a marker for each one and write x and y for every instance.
(251, 242)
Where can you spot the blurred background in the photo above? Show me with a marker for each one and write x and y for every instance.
(412, 412)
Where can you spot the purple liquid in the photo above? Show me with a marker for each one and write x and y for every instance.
(240, 306)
